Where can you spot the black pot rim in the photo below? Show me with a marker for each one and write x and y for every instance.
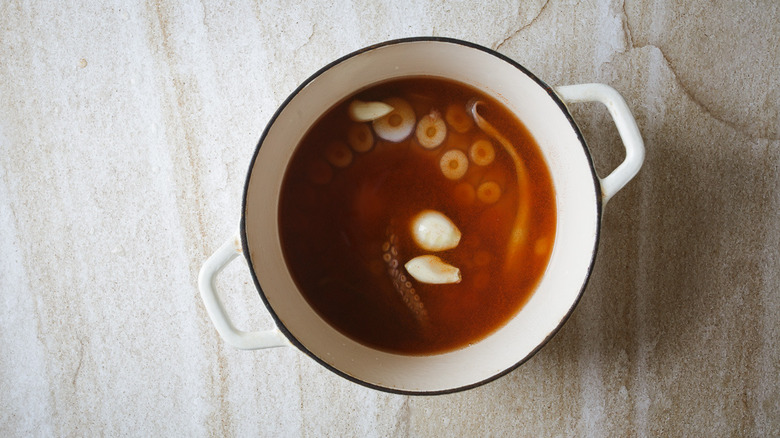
(555, 98)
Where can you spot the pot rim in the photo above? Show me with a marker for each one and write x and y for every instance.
(553, 95)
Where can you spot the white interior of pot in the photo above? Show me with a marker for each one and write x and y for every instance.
(576, 210)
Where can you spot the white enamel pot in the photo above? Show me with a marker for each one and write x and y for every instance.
(580, 196)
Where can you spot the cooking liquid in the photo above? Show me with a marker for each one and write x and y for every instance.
(338, 225)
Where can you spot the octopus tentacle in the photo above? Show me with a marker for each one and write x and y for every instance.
(401, 283)
(519, 232)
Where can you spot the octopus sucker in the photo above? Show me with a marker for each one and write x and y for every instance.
(457, 118)
(454, 164)
(338, 154)
(489, 192)
(431, 130)
(519, 233)
(404, 288)
(360, 137)
(482, 152)
(398, 124)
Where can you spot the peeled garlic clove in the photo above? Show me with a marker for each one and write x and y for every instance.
(360, 111)
(432, 270)
(433, 231)
(396, 125)
(454, 164)
(431, 130)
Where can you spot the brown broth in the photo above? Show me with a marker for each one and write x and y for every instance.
(343, 228)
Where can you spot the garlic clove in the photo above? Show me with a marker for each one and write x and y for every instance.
(398, 124)
(432, 270)
(361, 111)
(433, 231)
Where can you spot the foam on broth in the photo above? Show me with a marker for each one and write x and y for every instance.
(347, 202)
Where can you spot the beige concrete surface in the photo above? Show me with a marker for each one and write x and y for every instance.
(125, 134)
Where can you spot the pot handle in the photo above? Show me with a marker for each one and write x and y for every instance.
(207, 285)
(626, 126)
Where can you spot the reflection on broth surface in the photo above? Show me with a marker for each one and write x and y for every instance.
(417, 216)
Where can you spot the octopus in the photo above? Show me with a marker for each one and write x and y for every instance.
(519, 233)
(394, 120)
(401, 282)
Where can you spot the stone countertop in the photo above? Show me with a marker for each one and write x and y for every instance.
(125, 135)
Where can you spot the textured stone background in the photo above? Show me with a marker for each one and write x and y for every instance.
(125, 134)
